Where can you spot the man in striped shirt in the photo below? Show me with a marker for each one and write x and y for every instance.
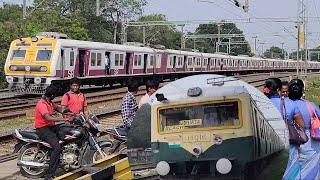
(129, 105)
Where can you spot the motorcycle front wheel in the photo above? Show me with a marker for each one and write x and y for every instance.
(32, 153)
(97, 156)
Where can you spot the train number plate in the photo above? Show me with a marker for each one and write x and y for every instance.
(197, 137)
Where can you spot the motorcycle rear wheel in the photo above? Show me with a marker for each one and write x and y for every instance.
(32, 153)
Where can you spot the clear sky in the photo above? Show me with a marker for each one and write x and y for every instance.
(224, 9)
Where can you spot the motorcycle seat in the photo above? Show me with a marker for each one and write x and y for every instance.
(122, 131)
(29, 134)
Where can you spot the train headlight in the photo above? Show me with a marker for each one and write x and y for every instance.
(13, 68)
(37, 80)
(28, 68)
(34, 39)
(9, 79)
(43, 68)
(163, 168)
(197, 150)
(223, 166)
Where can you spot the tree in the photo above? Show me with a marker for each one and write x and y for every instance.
(121, 10)
(209, 45)
(164, 35)
(313, 53)
(274, 53)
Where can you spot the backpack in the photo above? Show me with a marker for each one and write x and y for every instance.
(68, 95)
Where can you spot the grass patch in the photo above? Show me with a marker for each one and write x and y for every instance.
(313, 89)
(11, 124)
(276, 167)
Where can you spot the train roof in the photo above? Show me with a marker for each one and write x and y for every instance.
(100, 45)
(216, 86)
(128, 48)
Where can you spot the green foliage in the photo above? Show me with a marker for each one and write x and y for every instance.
(209, 45)
(313, 89)
(274, 53)
(314, 54)
(164, 35)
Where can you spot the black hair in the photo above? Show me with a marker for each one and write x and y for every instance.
(75, 81)
(153, 84)
(298, 82)
(133, 85)
(285, 83)
(51, 91)
(272, 85)
(295, 89)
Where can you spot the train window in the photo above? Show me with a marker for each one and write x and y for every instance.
(205, 62)
(200, 116)
(99, 59)
(121, 60)
(137, 60)
(44, 55)
(151, 62)
(158, 60)
(71, 58)
(116, 60)
(180, 61)
(198, 62)
(171, 61)
(190, 61)
(93, 59)
(212, 62)
(18, 54)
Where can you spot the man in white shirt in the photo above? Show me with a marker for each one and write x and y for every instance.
(107, 65)
(151, 87)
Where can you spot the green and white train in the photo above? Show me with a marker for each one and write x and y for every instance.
(212, 126)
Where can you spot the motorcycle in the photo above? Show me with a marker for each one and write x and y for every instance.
(78, 143)
(117, 135)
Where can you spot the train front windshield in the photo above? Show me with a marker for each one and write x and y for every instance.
(209, 115)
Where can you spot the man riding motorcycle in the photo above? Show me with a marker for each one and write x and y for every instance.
(46, 128)
(62, 145)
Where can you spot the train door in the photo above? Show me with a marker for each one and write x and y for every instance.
(185, 63)
(174, 63)
(81, 63)
(145, 61)
(67, 62)
(61, 65)
(127, 63)
(107, 63)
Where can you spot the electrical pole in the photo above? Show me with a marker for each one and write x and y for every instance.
(255, 45)
(183, 41)
(219, 39)
(302, 31)
(262, 53)
(124, 30)
(24, 10)
(144, 35)
(284, 56)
